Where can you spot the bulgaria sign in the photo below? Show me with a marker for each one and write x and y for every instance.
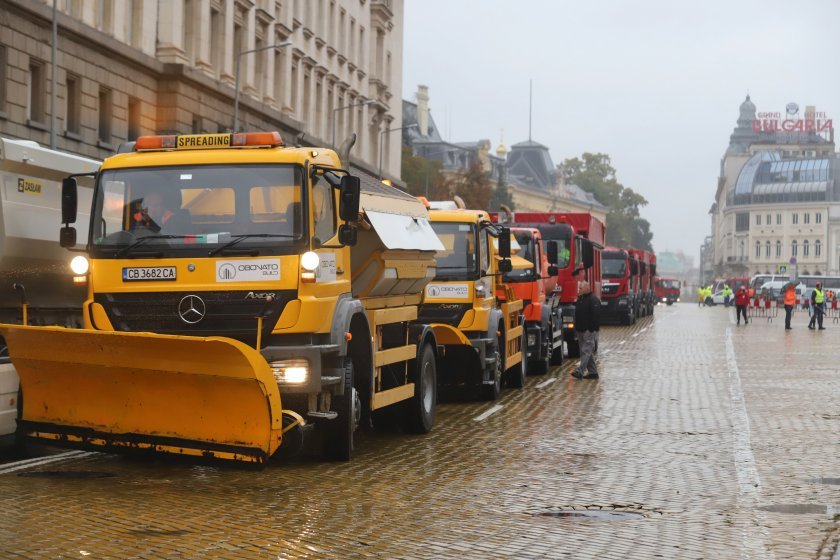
(811, 121)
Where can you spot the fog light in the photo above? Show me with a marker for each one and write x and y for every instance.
(290, 372)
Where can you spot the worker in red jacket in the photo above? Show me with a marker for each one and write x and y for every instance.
(742, 301)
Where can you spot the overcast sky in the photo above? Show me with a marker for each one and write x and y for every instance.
(656, 84)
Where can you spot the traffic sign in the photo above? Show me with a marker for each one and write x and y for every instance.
(792, 260)
(782, 269)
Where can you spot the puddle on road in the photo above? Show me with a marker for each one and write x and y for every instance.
(797, 509)
(64, 475)
(595, 515)
(824, 480)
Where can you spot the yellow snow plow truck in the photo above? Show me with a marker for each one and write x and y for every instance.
(240, 292)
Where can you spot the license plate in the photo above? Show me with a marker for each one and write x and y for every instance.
(145, 273)
(605, 303)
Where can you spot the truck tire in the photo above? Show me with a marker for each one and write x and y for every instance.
(420, 409)
(516, 374)
(338, 441)
(540, 366)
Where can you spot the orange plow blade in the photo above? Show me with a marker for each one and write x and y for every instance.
(212, 398)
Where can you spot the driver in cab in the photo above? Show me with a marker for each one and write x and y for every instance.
(152, 214)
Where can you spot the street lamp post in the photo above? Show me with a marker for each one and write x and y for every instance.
(236, 87)
(382, 135)
(335, 113)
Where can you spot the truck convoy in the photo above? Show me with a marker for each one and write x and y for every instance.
(239, 292)
(629, 284)
(577, 239)
(30, 206)
(647, 276)
(475, 315)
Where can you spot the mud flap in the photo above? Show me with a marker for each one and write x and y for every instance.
(460, 363)
(212, 398)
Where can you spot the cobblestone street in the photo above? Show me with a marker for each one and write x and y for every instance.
(702, 439)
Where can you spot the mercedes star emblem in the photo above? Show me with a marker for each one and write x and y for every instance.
(191, 309)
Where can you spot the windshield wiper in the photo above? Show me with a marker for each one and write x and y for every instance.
(238, 238)
(145, 239)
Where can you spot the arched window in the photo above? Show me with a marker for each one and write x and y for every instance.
(805, 248)
(767, 249)
(793, 250)
(778, 249)
(757, 249)
(817, 248)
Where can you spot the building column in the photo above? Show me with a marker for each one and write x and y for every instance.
(170, 47)
(227, 62)
(249, 61)
(284, 89)
(269, 94)
(202, 54)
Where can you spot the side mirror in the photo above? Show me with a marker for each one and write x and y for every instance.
(348, 235)
(588, 254)
(505, 265)
(504, 243)
(553, 270)
(553, 256)
(69, 200)
(67, 237)
(348, 205)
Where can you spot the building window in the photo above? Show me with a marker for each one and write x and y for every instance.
(795, 218)
(778, 219)
(768, 221)
(757, 249)
(767, 249)
(105, 115)
(3, 72)
(806, 218)
(217, 40)
(793, 249)
(35, 109)
(758, 219)
(817, 247)
(818, 217)
(778, 249)
(74, 104)
(189, 30)
(805, 248)
(134, 118)
(742, 221)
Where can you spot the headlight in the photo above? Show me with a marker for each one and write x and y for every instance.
(310, 261)
(79, 265)
(290, 372)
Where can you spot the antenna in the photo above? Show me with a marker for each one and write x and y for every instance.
(530, 106)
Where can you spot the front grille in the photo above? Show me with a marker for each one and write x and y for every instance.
(231, 314)
(447, 313)
(607, 289)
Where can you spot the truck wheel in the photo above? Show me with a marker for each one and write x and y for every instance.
(669, 303)
(420, 409)
(516, 374)
(540, 367)
(338, 443)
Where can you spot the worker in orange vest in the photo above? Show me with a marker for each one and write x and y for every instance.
(790, 301)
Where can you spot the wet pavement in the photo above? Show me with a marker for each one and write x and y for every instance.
(701, 439)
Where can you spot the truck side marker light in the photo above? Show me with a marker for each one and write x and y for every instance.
(348, 336)
(80, 280)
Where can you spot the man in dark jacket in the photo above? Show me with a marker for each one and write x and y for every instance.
(587, 325)
(742, 301)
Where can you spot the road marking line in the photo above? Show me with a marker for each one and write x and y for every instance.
(546, 383)
(40, 461)
(488, 413)
(607, 351)
(755, 542)
(622, 342)
(634, 335)
(643, 330)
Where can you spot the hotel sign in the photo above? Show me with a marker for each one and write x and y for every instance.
(811, 121)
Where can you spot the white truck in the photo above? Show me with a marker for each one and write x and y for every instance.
(34, 269)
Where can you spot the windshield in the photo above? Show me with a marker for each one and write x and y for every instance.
(527, 251)
(458, 259)
(563, 249)
(669, 284)
(199, 208)
(613, 265)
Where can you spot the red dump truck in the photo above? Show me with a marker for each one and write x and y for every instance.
(573, 241)
(646, 276)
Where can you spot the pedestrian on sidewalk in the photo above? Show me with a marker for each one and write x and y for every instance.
(790, 300)
(818, 304)
(742, 301)
(587, 325)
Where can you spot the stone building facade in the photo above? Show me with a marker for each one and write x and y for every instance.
(778, 198)
(131, 67)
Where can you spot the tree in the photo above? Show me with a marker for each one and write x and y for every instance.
(471, 184)
(421, 176)
(594, 173)
(501, 194)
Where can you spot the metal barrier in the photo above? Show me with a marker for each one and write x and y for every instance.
(832, 311)
(765, 308)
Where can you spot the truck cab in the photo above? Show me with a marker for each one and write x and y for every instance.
(474, 315)
(621, 285)
(667, 290)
